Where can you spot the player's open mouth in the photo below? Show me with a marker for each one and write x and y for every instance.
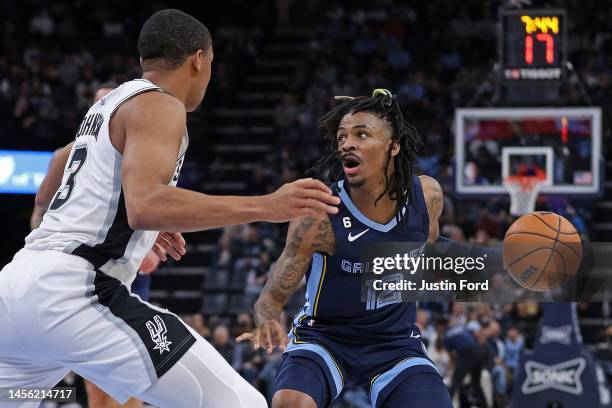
(350, 164)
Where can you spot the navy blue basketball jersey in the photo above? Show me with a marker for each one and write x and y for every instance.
(333, 296)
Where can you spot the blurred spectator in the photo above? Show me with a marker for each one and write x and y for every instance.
(465, 343)
(42, 24)
(499, 376)
(427, 330)
(438, 354)
(198, 324)
(223, 344)
(247, 361)
(286, 115)
(244, 324)
(453, 232)
(397, 57)
(364, 43)
(458, 315)
(261, 181)
(514, 346)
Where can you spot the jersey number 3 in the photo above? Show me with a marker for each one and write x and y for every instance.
(76, 162)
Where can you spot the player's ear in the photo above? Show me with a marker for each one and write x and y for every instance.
(395, 148)
(198, 60)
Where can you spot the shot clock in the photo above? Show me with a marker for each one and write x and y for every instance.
(532, 45)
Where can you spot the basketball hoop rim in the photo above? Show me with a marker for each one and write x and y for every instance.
(527, 183)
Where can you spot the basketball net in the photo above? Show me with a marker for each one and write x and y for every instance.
(523, 192)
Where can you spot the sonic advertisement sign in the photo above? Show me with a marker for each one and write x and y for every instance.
(558, 372)
(563, 376)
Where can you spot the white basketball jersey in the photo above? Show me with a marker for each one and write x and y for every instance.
(87, 216)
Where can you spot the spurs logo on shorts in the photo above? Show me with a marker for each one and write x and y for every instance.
(158, 334)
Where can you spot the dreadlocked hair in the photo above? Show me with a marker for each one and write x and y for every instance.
(382, 103)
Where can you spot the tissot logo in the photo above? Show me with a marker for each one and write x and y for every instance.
(561, 334)
(563, 376)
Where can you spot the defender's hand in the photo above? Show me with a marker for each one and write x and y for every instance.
(302, 198)
(169, 243)
(268, 335)
(149, 263)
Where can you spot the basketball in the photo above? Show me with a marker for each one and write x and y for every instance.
(542, 251)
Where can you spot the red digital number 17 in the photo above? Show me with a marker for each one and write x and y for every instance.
(550, 47)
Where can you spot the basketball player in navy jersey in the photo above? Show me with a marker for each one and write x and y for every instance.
(65, 303)
(336, 339)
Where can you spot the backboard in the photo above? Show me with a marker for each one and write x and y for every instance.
(564, 143)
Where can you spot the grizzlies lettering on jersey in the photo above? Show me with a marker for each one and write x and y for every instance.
(87, 216)
(333, 296)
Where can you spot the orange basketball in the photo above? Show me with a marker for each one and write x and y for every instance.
(542, 251)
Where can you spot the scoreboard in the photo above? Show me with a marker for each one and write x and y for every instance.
(532, 45)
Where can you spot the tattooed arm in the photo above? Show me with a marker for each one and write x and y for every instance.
(434, 201)
(446, 247)
(305, 237)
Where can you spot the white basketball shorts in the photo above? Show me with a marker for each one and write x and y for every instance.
(57, 314)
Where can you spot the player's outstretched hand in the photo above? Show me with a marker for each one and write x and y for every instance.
(302, 198)
(149, 264)
(169, 243)
(268, 335)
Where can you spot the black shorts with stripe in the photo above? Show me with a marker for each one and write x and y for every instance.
(163, 334)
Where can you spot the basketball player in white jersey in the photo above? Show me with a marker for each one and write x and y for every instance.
(64, 299)
(96, 398)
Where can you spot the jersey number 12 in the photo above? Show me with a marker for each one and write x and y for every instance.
(378, 299)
